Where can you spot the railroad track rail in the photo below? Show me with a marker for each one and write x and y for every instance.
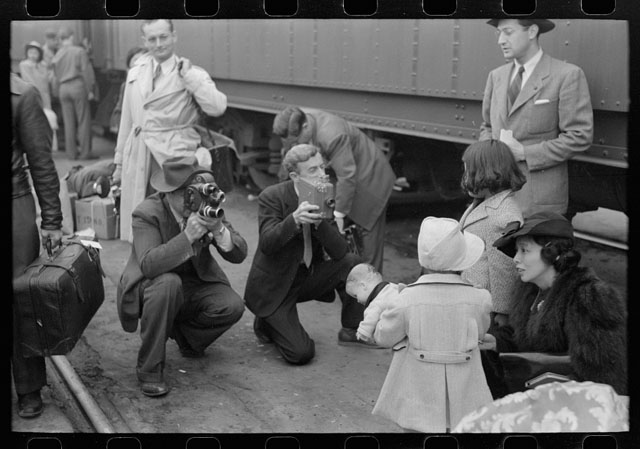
(88, 413)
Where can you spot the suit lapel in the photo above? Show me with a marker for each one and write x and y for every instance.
(534, 83)
(475, 212)
(501, 92)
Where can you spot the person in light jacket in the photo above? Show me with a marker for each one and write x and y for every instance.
(162, 101)
(436, 376)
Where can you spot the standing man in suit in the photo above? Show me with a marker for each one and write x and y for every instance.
(172, 282)
(540, 107)
(75, 81)
(290, 264)
(364, 177)
(164, 96)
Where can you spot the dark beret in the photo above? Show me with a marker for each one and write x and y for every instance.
(548, 224)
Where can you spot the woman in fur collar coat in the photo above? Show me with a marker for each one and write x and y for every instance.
(562, 307)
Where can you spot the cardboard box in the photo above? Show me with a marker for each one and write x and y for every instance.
(99, 214)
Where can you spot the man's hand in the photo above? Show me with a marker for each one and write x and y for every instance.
(214, 225)
(304, 214)
(517, 148)
(54, 235)
(184, 65)
(195, 228)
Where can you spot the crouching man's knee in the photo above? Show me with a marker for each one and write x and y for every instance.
(299, 355)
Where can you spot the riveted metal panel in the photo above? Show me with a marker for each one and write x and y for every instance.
(205, 43)
(601, 49)
(259, 50)
(331, 52)
(435, 57)
(478, 55)
(303, 63)
(394, 64)
(359, 53)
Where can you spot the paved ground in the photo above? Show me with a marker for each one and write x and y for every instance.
(242, 386)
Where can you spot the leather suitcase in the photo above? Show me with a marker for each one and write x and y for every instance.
(56, 297)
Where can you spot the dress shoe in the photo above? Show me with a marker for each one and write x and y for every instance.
(185, 348)
(260, 333)
(29, 405)
(154, 389)
(347, 337)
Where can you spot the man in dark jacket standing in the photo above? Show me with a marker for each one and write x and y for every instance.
(172, 282)
(290, 264)
(32, 137)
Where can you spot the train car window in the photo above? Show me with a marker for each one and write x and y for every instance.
(201, 8)
(43, 8)
(519, 6)
(598, 6)
(122, 8)
(360, 7)
(439, 7)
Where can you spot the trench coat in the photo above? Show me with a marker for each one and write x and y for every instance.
(436, 376)
(552, 118)
(157, 124)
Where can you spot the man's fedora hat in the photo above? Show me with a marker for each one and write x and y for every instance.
(443, 246)
(548, 224)
(175, 173)
(544, 25)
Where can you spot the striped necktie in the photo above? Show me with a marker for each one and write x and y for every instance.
(514, 87)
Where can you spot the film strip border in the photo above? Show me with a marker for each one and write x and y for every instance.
(186, 9)
(379, 9)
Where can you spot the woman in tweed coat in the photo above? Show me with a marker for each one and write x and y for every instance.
(491, 177)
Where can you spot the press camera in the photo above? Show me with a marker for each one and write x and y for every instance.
(321, 194)
(204, 196)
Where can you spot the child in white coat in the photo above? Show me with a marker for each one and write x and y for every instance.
(436, 376)
(365, 284)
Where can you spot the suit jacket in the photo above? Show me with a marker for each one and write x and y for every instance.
(280, 248)
(495, 271)
(364, 176)
(434, 328)
(160, 247)
(552, 118)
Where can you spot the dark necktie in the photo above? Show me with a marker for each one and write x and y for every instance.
(514, 87)
(306, 233)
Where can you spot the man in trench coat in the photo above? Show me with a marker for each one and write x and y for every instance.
(163, 97)
(550, 119)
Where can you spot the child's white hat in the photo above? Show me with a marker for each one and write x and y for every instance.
(442, 246)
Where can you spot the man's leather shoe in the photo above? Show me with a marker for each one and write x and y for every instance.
(154, 389)
(347, 337)
(29, 405)
(260, 334)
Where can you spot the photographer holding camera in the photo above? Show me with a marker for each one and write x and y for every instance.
(172, 282)
(301, 256)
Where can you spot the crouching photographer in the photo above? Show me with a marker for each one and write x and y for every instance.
(172, 282)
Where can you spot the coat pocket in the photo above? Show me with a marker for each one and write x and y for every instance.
(543, 117)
